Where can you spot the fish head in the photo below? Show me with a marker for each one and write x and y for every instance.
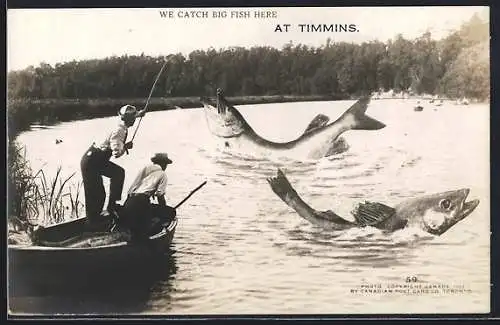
(223, 120)
(442, 211)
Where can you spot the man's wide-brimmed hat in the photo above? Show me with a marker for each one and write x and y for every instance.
(161, 157)
(127, 111)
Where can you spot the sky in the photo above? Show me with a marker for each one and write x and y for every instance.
(60, 35)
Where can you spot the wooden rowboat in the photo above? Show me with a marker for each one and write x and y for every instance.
(48, 264)
(51, 265)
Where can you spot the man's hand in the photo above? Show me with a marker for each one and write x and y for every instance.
(128, 145)
(141, 113)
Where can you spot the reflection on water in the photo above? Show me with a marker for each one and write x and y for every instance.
(126, 291)
(240, 249)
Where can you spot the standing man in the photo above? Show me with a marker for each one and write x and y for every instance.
(151, 181)
(95, 164)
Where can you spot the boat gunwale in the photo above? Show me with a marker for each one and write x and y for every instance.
(165, 231)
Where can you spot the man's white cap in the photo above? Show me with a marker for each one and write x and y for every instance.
(128, 111)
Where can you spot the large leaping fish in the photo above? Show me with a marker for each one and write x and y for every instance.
(434, 213)
(320, 138)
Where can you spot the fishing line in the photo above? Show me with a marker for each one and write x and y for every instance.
(149, 97)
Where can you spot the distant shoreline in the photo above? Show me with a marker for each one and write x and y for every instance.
(22, 113)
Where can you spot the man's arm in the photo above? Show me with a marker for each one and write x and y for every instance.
(169, 212)
(141, 113)
(161, 201)
(160, 190)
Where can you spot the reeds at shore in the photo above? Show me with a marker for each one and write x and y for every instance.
(35, 198)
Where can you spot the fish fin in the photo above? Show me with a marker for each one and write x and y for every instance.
(317, 122)
(338, 146)
(361, 120)
(372, 213)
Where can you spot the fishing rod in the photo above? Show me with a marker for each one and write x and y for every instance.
(189, 195)
(149, 97)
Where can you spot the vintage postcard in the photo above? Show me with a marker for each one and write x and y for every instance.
(248, 161)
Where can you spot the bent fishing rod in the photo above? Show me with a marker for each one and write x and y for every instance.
(147, 102)
(149, 97)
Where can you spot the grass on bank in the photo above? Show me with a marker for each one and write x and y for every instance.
(36, 199)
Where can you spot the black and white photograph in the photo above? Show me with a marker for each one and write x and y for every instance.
(248, 161)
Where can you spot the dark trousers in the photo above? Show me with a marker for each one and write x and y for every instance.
(143, 218)
(136, 215)
(95, 164)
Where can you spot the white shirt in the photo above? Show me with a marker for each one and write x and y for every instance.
(151, 180)
(116, 140)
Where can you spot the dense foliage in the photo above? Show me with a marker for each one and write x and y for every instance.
(449, 67)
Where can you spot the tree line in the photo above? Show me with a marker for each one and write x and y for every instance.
(455, 66)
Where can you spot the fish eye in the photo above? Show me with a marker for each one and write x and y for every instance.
(445, 204)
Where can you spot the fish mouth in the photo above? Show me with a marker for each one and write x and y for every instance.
(221, 121)
(218, 112)
(463, 212)
(211, 105)
(467, 207)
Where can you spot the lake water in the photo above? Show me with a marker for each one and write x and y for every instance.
(239, 249)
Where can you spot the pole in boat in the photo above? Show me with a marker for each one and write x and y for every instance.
(178, 204)
(189, 195)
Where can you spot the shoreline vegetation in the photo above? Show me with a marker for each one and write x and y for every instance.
(36, 199)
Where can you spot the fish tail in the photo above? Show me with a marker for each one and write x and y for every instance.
(284, 190)
(282, 187)
(361, 120)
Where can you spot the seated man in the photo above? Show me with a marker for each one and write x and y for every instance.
(137, 212)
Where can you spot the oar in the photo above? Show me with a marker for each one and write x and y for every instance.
(192, 192)
(178, 204)
(187, 197)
